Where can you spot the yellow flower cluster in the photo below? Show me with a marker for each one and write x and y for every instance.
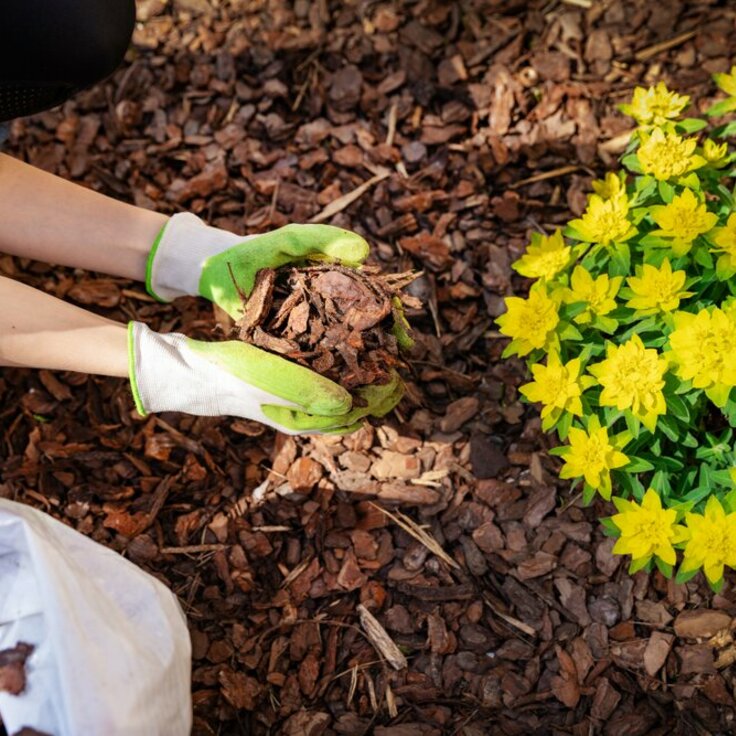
(703, 347)
(630, 335)
(683, 220)
(655, 106)
(667, 156)
(649, 530)
(530, 322)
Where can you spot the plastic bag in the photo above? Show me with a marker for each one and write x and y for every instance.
(111, 647)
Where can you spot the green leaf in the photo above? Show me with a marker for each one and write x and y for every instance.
(641, 564)
(721, 108)
(568, 311)
(621, 260)
(663, 567)
(563, 426)
(691, 125)
(666, 191)
(703, 257)
(660, 482)
(588, 494)
(568, 331)
(631, 162)
(678, 408)
(725, 131)
(668, 428)
(638, 465)
(632, 424)
(609, 528)
(716, 587)
(683, 577)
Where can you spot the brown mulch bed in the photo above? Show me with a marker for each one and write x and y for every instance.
(444, 133)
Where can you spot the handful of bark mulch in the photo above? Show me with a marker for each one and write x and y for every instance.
(346, 324)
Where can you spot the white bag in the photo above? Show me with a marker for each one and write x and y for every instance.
(112, 651)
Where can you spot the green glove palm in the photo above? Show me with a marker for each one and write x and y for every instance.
(190, 258)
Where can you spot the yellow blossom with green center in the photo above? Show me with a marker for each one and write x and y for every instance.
(656, 289)
(655, 106)
(703, 346)
(715, 153)
(667, 155)
(529, 322)
(727, 82)
(599, 294)
(611, 185)
(557, 387)
(724, 242)
(711, 542)
(591, 455)
(683, 220)
(605, 221)
(545, 257)
(632, 377)
(647, 530)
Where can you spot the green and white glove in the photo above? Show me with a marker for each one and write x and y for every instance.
(190, 258)
(175, 373)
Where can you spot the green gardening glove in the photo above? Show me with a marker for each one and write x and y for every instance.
(175, 373)
(191, 258)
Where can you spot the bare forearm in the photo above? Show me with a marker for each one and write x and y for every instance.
(40, 331)
(50, 219)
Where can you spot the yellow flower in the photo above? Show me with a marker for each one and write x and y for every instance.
(611, 185)
(605, 220)
(599, 294)
(682, 220)
(714, 153)
(529, 322)
(656, 289)
(545, 257)
(632, 377)
(727, 82)
(647, 530)
(557, 387)
(703, 346)
(712, 541)
(591, 455)
(725, 243)
(655, 106)
(667, 155)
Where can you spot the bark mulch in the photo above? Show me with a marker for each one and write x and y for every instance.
(430, 575)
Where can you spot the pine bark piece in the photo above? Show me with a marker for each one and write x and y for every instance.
(332, 319)
(380, 639)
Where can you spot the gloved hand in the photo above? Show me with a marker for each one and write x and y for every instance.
(175, 373)
(194, 259)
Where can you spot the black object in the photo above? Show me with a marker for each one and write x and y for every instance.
(50, 49)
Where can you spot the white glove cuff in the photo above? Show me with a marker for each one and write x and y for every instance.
(176, 259)
(164, 374)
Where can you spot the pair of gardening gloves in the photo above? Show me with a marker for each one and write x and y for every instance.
(171, 372)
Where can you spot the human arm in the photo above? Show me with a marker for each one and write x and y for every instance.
(39, 331)
(47, 218)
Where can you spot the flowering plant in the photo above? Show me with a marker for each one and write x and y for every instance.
(629, 330)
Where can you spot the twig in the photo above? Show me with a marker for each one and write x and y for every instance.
(411, 527)
(192, 549)
(653, 50)
(347, 199)
(553, 174)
